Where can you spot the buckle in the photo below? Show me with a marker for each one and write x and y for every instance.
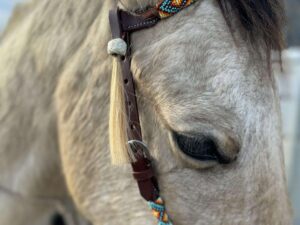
(139, 147)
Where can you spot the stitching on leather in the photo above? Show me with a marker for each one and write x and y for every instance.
(142, 24)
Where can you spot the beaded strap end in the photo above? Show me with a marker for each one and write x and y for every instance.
(159, 211)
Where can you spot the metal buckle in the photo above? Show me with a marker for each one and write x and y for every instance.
(137, 145)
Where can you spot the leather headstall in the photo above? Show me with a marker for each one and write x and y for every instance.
(123, 24)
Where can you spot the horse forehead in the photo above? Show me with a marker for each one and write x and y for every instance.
(188, 34)
(186, 54)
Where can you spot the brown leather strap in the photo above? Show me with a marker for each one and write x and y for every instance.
(131, 23)
(143, 175)
(122, 25)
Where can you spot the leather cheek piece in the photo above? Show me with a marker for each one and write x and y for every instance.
(122, 25)
(143, 175)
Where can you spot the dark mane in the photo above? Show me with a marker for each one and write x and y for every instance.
(260, 19)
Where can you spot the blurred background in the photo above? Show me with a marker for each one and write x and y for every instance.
(6, 7)
(289, 86)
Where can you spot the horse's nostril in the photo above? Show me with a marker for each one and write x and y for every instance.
(200, 147)
(57, 219)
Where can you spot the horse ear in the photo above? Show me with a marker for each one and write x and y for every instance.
(119, 149)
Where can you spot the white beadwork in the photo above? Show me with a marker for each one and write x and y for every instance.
(117, 47)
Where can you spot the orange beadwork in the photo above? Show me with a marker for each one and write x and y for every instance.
(159, 211)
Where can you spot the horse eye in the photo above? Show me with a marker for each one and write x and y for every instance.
(200, 147)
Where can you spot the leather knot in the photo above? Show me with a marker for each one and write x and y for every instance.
(117, 47)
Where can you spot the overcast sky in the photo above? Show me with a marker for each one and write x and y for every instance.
(6, 7)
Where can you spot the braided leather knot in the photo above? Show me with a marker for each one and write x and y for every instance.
(117, 47)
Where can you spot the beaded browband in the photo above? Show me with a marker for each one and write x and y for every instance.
(123, 24)
(167, 8)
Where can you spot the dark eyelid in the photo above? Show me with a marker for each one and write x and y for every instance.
(197, 147)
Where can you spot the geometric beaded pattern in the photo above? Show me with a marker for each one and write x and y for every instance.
(159, 211)
(167, 8)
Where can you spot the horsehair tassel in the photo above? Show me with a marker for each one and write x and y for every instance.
(167, 8)
(159, 211)
(117, 47)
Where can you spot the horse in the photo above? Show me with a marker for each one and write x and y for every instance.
(207, 99)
